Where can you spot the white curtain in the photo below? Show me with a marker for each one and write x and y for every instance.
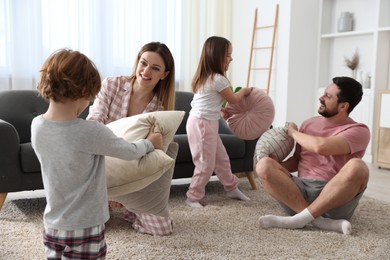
(201, 19)
(110, 32)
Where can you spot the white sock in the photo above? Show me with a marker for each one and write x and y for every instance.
(237, 194)
(193, 204)
(339, 225)
(299, 220)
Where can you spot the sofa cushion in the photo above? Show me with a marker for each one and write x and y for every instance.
(252, 116)
(123, 176)
(235, 147)
(183, 103)
(184, 154)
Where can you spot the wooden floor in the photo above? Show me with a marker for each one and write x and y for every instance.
(379, 184)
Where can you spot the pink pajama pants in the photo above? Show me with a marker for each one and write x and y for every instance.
(209, 155)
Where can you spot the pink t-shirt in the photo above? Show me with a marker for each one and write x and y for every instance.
(325, 167)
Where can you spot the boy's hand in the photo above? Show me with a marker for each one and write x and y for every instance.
(155, 138)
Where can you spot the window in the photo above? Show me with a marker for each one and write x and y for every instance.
(109, 32)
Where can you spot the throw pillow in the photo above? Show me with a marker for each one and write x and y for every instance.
(123, 176)
(275, 142)
(252, 116)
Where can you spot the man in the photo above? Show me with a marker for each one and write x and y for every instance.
(331, 175)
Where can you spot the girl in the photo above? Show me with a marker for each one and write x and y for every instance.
(211, 88)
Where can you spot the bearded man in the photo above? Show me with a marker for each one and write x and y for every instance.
(331, 175)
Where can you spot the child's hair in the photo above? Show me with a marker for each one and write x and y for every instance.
(165, 89)
(68, 74)
(211, 60)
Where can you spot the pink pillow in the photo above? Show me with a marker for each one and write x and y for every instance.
(251, 117)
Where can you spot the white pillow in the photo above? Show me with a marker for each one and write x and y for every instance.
(276, 142)
(125, 177)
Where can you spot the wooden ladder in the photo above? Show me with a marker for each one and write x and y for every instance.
(264, 49)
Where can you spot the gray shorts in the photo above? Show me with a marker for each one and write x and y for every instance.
(311, 188)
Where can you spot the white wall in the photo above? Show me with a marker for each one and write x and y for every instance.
(293, 75)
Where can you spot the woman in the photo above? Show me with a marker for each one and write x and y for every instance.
(151, 87)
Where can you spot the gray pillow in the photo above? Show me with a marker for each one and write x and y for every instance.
(274, 141)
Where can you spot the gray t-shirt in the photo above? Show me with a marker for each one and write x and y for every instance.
(71, 154)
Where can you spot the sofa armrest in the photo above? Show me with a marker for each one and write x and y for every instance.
(9, 150)
(9, 140)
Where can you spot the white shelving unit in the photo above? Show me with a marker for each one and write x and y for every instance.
(382, 124)
(370, 36)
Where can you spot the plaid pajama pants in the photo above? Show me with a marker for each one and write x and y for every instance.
(87, 243)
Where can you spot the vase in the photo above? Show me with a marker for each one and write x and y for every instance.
(345, 22)
(367, 81)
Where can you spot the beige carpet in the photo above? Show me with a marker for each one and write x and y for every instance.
(224, 229)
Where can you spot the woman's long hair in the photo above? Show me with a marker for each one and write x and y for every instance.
(165, 88)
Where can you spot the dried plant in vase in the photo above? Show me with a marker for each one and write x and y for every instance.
(353, 63)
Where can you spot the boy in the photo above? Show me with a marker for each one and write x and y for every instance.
(71, 152)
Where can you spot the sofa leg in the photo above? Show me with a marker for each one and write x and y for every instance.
(251, 179)
(2, 199)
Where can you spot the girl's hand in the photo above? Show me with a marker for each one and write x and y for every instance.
(224, 114)
(234, 98)
(246, 91)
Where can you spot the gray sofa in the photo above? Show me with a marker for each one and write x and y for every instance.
(20, 168)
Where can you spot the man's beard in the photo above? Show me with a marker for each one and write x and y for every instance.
(326, 113)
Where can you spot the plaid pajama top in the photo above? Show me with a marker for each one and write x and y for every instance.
(112, 102)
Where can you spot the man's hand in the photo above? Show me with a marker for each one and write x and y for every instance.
(291, 128)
